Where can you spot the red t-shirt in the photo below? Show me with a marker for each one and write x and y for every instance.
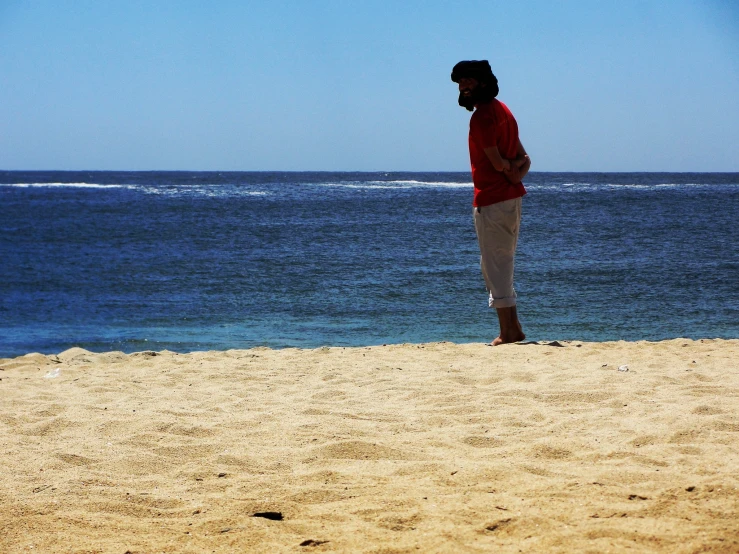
(493, 124)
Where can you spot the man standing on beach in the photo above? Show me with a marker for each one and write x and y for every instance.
(499, 162)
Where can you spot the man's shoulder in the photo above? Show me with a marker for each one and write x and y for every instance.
(498, 108)
(487, 113)
(503, 109)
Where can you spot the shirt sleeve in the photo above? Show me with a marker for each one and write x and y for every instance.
(484, 130)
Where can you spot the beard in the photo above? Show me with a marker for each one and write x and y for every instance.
(469, 101)
(476, 96)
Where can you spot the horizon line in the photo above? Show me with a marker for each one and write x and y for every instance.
(327, 171)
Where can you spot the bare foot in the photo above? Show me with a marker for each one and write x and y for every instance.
(506, 340)
(510, 327)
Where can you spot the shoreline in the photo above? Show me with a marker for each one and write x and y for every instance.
(437, 447)
(74, 350)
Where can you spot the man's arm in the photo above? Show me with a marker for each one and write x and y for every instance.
(498, 161)
(515, 170)
(520, 166)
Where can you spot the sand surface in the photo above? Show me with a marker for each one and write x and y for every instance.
(408, 448)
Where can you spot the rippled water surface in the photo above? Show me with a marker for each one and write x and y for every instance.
(192, 261)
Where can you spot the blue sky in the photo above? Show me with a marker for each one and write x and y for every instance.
(364, 85)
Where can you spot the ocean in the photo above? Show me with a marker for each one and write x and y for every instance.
(190, 261)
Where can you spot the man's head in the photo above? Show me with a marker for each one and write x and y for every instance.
(477, 84)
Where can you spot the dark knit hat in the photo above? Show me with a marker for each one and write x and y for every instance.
(474, 69)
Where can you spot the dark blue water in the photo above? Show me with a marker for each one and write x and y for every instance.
(193, 261)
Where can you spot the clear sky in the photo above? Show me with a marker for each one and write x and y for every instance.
(364, 85)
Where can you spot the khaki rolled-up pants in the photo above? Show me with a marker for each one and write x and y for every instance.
(497, 227)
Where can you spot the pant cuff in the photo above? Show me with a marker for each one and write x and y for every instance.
(507, 302)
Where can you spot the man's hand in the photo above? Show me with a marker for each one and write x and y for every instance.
(518, 170)
(513, 174)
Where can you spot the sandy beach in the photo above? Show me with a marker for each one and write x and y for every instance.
(437, 447)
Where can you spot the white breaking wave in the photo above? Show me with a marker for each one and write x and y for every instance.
(413, 183)
(405, 184)
(166, 190)
(226, 190)
(62, 185)
(599, 187)
(210, 191)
